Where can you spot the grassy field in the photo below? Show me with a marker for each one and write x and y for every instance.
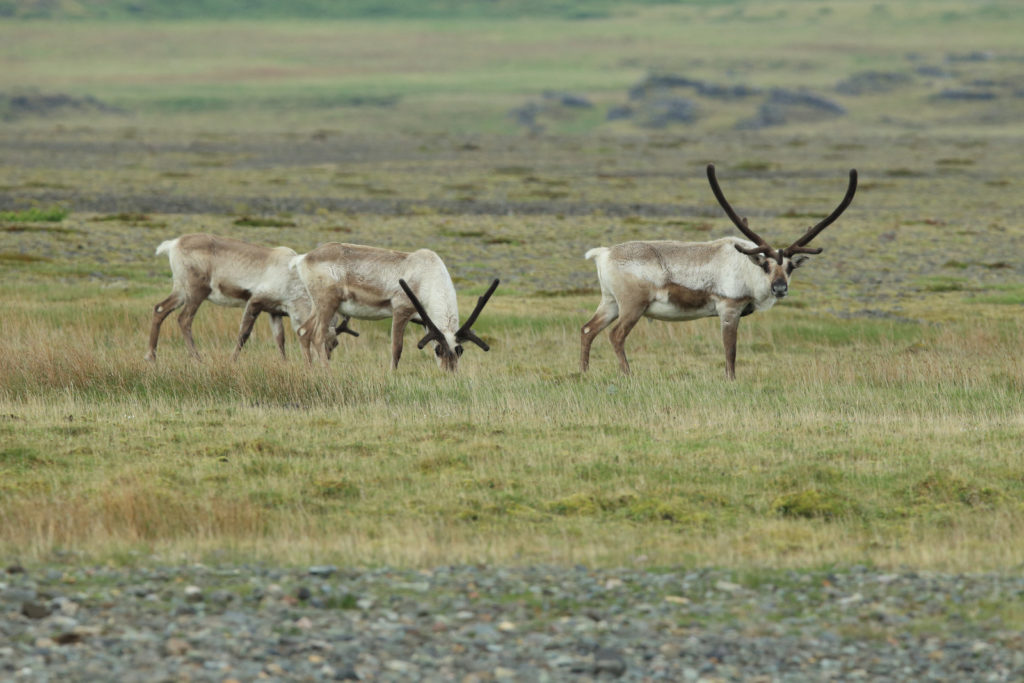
(878, 412)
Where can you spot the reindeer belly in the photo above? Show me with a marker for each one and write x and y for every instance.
(365, 311)
(228, 294)
(675, 302)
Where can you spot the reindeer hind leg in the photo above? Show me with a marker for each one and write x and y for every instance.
(188, 314)
(629, 317)
(160, 312)
(607, 312)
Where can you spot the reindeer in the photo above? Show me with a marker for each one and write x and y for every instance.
(369, 283)
(669, 280)
(229, 272)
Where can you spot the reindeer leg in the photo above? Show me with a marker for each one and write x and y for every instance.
(730, 329)
(160, 312)
(277, 325)
(252, 311)
(324, 337)
(305, 335)
(187, 315)
(399, 319)
(628, 318)
(607, 312)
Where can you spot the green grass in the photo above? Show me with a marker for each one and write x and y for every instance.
(310, 71)
(50, 215)
(857, 451)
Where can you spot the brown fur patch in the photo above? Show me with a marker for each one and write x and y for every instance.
(233, 292)
(686, 298)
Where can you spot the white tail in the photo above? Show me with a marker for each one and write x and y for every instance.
(166, 246)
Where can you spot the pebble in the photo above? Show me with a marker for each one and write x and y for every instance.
(478, 623)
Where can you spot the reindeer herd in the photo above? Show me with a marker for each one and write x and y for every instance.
(322, 290)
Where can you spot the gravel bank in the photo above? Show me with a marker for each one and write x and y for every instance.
(525, 624)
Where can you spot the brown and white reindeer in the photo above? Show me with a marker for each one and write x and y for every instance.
(370, 283)
(669, 280)
(230, 272)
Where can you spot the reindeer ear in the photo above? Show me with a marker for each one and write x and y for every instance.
(799, 261)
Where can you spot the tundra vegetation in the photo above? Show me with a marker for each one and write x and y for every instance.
(878, 412)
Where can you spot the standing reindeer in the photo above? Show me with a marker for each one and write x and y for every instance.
(372, 284)
(668, 280)
(229, 272)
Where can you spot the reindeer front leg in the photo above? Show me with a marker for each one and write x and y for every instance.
(277, 327)
(252, 311)
(730, 316)
(399, 319)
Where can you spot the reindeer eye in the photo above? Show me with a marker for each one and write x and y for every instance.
(766, 267)
(458, 350)
(437, 350)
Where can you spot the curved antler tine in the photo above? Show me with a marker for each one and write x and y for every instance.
(751, 251)
(470, 335)
(343, 328)
(464, 330)
(432, 331)
(803, 250)
(813, 231)
(768, 251)
(465, 333)
(740, 221)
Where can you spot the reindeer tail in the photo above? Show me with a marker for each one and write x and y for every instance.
(166, 246)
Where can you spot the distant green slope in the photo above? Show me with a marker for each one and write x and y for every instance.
(322, 9)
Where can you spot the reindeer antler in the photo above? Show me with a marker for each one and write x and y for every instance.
(812, 232)
(465, 333)
(343, 328)
(762, 246)
(433, 334)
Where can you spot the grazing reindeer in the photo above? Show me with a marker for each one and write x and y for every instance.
(668, 280)
(372, 284)
(231, 273)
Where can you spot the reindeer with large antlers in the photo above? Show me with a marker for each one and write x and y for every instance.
(669, 280)
(372, 284)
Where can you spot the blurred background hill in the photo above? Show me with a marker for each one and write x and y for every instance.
(518, 66)
(318, 9)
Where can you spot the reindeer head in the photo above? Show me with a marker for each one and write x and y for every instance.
(447, 352)
(778, 264)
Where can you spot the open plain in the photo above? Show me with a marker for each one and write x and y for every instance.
(874, 429)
